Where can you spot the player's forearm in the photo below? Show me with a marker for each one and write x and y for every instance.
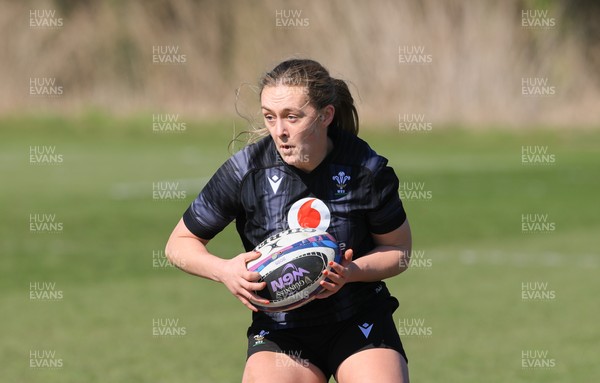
(381, 263)
(191, 256)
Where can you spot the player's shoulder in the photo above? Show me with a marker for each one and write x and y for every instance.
(257, 155)
(355, 151)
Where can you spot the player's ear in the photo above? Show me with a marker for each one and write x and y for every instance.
(327, 114)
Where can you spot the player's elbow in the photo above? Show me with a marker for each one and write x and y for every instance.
(403, 259)
(171, 249)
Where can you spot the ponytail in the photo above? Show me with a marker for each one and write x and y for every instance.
(346, 116)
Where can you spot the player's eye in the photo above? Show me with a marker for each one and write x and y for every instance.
(292, 117)
(269, 117)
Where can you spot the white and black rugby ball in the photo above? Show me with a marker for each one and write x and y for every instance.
(292, 263)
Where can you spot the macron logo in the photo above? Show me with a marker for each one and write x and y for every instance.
(365, 328)
(275, 181)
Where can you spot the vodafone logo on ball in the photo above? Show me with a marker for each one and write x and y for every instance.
(309, 213)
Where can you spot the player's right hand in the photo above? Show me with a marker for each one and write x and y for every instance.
(241, 282)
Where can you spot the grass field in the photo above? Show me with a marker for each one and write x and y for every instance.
(462, 305)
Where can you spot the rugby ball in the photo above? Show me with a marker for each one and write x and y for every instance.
(292, 263)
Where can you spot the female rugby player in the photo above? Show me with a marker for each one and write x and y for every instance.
(311, 170)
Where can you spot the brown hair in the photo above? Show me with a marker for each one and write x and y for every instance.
(322, 89)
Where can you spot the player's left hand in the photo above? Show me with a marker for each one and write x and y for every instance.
(335, 280)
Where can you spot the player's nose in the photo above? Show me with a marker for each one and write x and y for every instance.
(280, 128)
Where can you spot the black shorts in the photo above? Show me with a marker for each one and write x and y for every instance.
(327, 346)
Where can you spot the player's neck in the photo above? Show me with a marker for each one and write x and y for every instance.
(321, 155)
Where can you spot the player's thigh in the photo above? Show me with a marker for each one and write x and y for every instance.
(278, 367)
(376, 365)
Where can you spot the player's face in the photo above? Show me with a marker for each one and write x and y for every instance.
(298, 129)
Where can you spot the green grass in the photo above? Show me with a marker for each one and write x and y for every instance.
(470, 231)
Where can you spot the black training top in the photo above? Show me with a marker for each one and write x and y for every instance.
(351, 194)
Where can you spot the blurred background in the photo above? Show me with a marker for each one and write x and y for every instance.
(114, 115)
(477, 54)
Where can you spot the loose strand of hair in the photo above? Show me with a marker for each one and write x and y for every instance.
(254, 133)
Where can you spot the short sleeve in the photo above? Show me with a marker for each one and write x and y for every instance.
(388, 213)
(217, 204)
